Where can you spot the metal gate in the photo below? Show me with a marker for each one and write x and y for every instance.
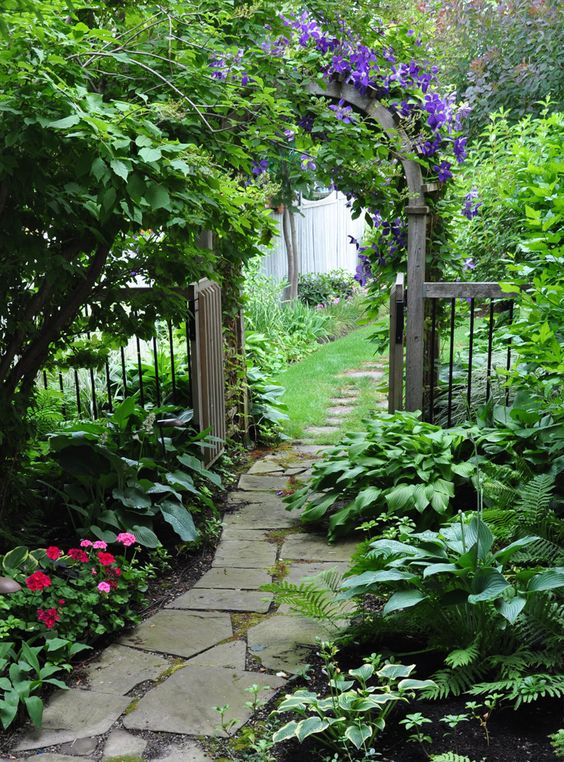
(206, 351)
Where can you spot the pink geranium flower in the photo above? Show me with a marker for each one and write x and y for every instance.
(85, 543)
(100, 545)
(126, 538)
(104, 587)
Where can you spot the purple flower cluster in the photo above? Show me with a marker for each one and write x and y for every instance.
(229, 66)
(259, 167)
(443, 171)
(363, 272)
(307, 162)
(342, 112)
(470, 208)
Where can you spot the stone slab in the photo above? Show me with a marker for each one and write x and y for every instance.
(263, 516)
(295, 470)
(181, 633)
(251, 483)
(347, 402)
(185, 703)
(81, 747)
(223, 600)
(74, 714)
(119, 669)
(120, 743)
(281, 641)
(340, 410)
(376, 374)
(349, 392)
(242, 533)
(231, 655)
(265, 467)
(317, 450)
(317, 431)
(336, 422)
(245, 553)
(300, 571)
(308, 547)
(188, 752)
(233, 578)
(44, 758)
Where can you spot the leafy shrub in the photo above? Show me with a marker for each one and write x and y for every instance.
(349, 719)
(470, 600)
(127, 471)
(397, 465)
(325, 288)
(267, 409)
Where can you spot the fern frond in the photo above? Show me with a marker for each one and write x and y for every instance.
(450, 756)
(557, 743)
(461, 657)
(314, 598)
(453, 682)
(523, 690)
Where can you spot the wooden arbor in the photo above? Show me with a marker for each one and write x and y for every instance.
(417, 217)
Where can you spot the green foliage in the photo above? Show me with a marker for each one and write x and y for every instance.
(398, 465)
(129, 471)
(315, 597)
(354, 713)
(325, 288)
(25, 669)
(450, 756)
(470, 600)
(557, 743)
(267, 409)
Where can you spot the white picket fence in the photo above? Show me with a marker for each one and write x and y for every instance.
(322, 230)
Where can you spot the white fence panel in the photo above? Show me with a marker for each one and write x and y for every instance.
(322, 230)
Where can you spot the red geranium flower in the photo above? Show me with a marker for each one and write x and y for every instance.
(48, 617)
(116, 571)
(61, 601)
(37, 581)
(106, 559)
(53, 552)
(78, 555)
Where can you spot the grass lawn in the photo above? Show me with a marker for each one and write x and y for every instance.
(311, 383)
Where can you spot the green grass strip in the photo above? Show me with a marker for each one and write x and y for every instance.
(313, 382)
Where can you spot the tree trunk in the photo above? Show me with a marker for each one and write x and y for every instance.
(290, 240)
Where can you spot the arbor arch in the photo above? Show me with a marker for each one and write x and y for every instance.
(417, 213)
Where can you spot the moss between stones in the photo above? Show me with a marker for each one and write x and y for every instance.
(133, 706)
(279, 570)
(243, 621)
(124, 758)
(174, 667)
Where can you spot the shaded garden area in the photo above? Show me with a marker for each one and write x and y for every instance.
(221, 534)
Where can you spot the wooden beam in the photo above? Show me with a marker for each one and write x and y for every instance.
(395, 391)
(477, 290)
(416, 242)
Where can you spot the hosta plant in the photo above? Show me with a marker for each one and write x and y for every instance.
(397, 465)
(471, 601)
(349, 719)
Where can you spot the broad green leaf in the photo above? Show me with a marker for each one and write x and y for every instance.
(505, 553)
(119, 168)
(286, 731)
(150, 154)
(309, 727)
(180, 520)
(158, 197)
(393, 671)
(34, 706)
(511, 608)
(15, 557)
(547, 580)
(403, 600)
(196, 465)
(145, 536)
(488, 584)
(358, 734)
(411, 684)
(65, 123)
(182, 481)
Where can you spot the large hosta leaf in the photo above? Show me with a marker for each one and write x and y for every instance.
(403, 600)
(180, 520)
(488, 584)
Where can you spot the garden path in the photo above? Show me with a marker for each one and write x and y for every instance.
(153, 695)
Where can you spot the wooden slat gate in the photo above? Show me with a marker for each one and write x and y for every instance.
(208, 377)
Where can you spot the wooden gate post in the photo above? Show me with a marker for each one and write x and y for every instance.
(395, 384)
(416, 242)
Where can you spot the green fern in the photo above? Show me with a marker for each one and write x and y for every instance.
(454, 682)
(523, 690)
(557, 743)
(461, 657)
(315, 598)
(450, 756)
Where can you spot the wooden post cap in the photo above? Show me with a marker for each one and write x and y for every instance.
(8, 585)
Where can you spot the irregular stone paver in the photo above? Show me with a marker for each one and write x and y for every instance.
(230, 578)
(74, 714)
(300, 571)
(270, 500)
(46, 758)
(242, 533)
(340, 410)
(185, 702)
(280, 642)
(223, 600)
(188, 752)
(363, 373)
(265, 467)
(245, 553)
(349, 392)
(343, 402)
(250, 483)
(181, 633)
(307, 547)
(320, 430)
(119, 669)
(120, 743)
(264, 516)
(336, 422)
(295, 470)
(231, 655)
(313, 449)
(81, 747)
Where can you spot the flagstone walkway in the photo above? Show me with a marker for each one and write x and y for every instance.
(152, 695)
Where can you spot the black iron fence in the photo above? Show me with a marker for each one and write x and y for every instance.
(467, 348)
